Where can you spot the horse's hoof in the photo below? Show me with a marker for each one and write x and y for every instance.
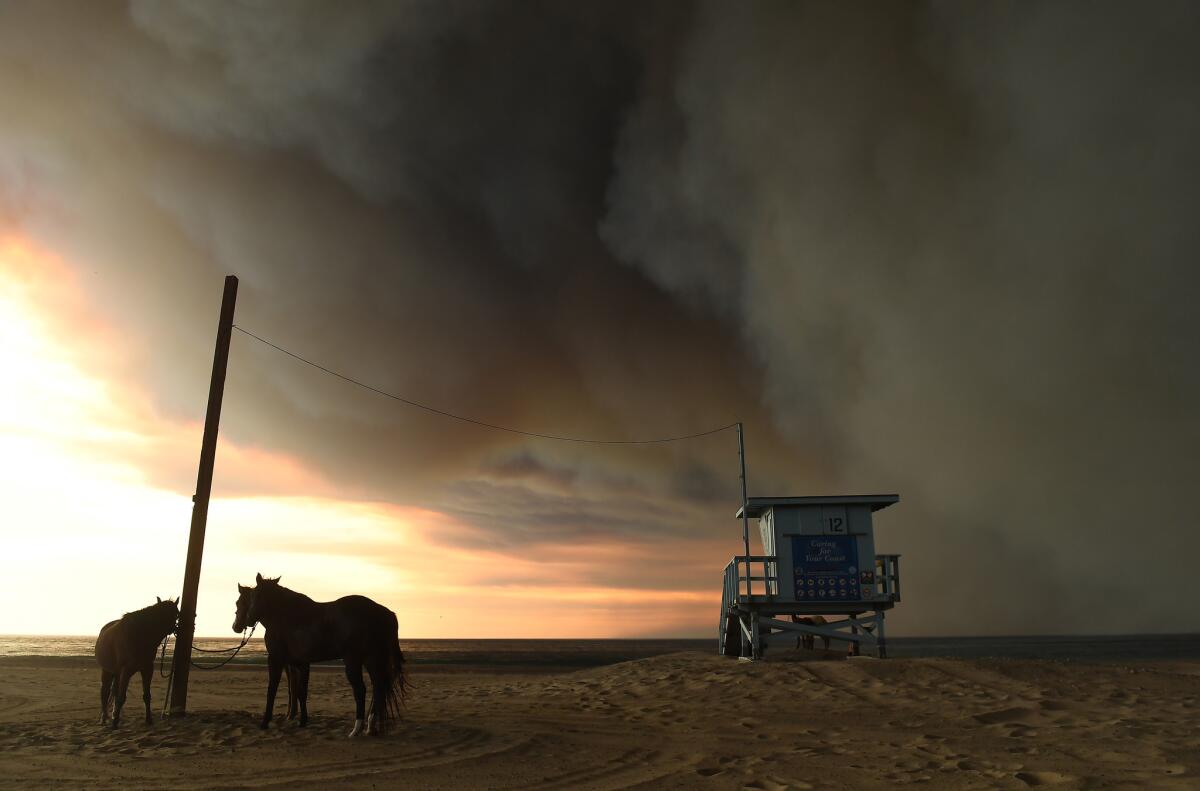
(264, 725)
(357, 730)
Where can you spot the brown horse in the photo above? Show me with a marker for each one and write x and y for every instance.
(354, 629)
(297, 672)
(126, 646)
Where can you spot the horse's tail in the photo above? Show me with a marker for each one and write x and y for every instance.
(395, 682)
(400, 682)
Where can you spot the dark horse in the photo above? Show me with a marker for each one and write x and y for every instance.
(126, 646)
(354, 629)
(297, 672)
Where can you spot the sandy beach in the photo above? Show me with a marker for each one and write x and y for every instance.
(684, 720)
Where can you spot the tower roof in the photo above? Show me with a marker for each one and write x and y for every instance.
(758, 505)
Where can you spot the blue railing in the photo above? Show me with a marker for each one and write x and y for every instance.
(740, 579)
(741, 583)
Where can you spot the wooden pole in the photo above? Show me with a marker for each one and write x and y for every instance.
(208, 455)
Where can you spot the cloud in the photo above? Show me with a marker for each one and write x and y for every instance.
(933, 249)
(951, 234)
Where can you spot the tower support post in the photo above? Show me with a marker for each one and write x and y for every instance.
(745, 504)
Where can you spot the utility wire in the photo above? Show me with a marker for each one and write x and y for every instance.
(453, 416)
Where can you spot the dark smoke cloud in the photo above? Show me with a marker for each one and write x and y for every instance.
(937, 249)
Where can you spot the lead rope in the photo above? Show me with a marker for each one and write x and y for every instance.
(163, 655)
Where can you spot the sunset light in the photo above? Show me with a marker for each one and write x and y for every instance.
(77, 454)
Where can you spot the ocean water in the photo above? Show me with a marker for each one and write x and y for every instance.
(590, 653)
(500, 653)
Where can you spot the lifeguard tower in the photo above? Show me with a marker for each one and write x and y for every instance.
(818, 560)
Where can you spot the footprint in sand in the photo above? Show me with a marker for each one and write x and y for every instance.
(775, 784)
(1043, 778)
(1017, 714)
(1053, 705)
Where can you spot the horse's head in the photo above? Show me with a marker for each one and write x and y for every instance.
(249, 602)
(166, 615)
(245, 604)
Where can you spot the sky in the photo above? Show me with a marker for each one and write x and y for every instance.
(944, 250)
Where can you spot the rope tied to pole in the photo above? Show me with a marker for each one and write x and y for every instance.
(163, 656)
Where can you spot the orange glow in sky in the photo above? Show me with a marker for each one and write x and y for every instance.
(87, 536)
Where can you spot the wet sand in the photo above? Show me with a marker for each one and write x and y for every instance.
(685, 720)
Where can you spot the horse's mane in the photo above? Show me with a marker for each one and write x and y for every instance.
(284, 595)
(137, 615)
(150, 621)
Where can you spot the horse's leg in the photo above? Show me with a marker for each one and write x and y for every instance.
(106, 686)
(302, 692)
(122, 687)
(378, 702)
(292, 681)
(147, 674)
(275, 670)
(354, 676)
